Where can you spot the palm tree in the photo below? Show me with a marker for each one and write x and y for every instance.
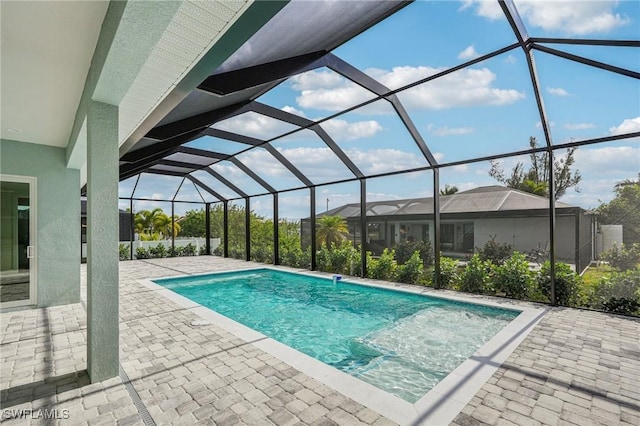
(331, 230)
(162, 224)
(449, 190)
(145, 221)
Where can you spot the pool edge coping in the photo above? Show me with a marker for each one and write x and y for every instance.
(440, 405)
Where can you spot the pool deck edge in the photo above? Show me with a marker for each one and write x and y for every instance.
(439, 406)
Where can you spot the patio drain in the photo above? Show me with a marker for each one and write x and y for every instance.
(142, 409)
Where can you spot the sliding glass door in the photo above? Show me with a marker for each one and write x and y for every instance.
(17, 241)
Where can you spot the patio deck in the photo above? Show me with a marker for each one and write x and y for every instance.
(574, 368)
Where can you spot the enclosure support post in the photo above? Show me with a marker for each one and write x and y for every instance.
(312, 192)
(225, 225)
(103, 324)
(207, 230)
(552, 226)
(436, 228)
(132, 231)
(578, 226)
(363, 227)
(173, 227)
(247, 230)
(276, 230)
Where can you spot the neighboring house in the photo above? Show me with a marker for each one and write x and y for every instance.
(471, 218)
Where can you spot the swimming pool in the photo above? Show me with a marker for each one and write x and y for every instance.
(400, 342)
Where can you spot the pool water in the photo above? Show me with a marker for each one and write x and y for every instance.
(401, 342)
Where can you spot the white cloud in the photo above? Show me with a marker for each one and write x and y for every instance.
(579, 126)
(468, 87)
(318, 164)
(255, 125)
(511, 59)
(630, 125)
(485, 8)
(607, 160)
(375, 161)
(557, 91)
(468, 53)
(293, 110)
(326, 90)
(446, 131)
(568, 17)
(344, 130)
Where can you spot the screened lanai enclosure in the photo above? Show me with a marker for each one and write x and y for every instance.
(464, 131)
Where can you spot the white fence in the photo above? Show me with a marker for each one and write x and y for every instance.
(179, 242)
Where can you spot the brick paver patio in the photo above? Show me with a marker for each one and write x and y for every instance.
(575, 368)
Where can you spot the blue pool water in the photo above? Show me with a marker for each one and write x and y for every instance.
(400, 342)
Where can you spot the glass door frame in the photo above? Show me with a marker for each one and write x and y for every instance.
(33, 239)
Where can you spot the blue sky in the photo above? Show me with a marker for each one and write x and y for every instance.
(486, 109)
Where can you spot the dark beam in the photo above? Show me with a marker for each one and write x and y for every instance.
(235, 81)
(226, 182)
(296, 120)
(363, 80)
(252, 175)
(202, 153)
(196, 122)
(287, 164)
(234, 137)
(160, 149)
(586, 42)
(165, 172)
(206, 188)
(586, 61)
(515, 21)
(182, 164)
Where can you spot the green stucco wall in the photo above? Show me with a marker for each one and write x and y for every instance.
(58, 217)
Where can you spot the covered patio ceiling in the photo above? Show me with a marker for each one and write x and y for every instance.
(213, 129)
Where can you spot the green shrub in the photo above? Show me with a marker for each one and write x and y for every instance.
(513, 277)
(618, 292)
(203, 250)
(262, 253)
(495, 252)
(295, 257)
(405, 249)
(476, 276)
(123, 251)
(567, 283)
(411, 271)
(142, 253)
(189, 250)
(448, 273)
(339, 259)
(382, 268)
(158, 251)
(624, 258)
